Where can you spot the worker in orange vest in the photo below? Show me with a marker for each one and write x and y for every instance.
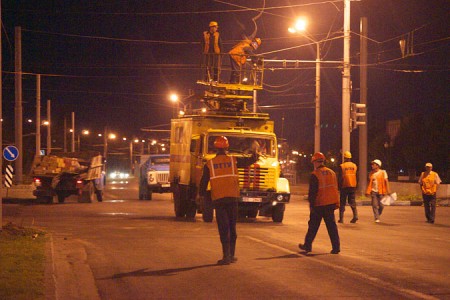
(238, 57)
(429, 182)
(377, 188)
(211, 48)
(222, 173)
(323, 199)
(347, 186)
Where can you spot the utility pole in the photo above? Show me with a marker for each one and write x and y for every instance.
(362, 174)
(73, 132)
(49, 131)
(65, 134)
(18, 104)
(346, 82)
(255, 100)
(1, 122)
(38, 115)
(317, 103)
(105, 148)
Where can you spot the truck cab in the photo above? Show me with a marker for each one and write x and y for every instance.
(154, 176)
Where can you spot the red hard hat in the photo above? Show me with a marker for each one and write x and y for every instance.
(221, 142)
(318, 156)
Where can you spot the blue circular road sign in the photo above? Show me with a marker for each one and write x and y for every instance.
(11, 153)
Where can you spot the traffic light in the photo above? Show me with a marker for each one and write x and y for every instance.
(357, 115)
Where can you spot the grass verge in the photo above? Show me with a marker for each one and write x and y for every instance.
(22, 261)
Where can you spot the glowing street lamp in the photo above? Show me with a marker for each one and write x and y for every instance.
(300, 26)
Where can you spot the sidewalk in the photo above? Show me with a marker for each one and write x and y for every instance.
(301, 189)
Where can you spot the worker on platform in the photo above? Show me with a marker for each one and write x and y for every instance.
(222, 173)
(211, 48)
(239, 55)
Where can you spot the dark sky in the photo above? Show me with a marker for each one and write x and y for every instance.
(114, 62)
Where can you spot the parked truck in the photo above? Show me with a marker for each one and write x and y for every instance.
(65, 174)
(154, 176)
(222, 110)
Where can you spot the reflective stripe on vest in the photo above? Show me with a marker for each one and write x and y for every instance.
(348, 174)
(429, 185)
(328, 189)
(224, 177)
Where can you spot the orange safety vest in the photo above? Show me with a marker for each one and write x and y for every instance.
(348, 174)
(206, 36)
(428, 183)
(238, 53)
(328, 188)
(382, 185)
(223, 177)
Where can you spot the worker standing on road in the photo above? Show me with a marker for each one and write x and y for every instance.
(323, 199)
(222, 174)
(211, 48)
(347, 186)
(377, 187)
(238, 57)
(99, 184)
(429, 182)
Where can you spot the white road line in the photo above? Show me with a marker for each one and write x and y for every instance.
(374, 280)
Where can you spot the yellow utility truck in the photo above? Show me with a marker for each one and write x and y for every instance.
(223, 111)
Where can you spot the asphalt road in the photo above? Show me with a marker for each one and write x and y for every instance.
(124, 248)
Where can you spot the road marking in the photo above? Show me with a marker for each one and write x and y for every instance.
(372, 279)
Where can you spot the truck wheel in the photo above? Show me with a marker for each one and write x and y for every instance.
(191, 210)
(61, 197)
(149, 194)
(143, 190)
(208, 210)
(86, 194)
(278, 213)
(45, 199)
(179, 207)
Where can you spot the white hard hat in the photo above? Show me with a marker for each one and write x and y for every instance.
(376, 161)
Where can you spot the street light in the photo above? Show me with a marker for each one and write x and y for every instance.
(300, 26)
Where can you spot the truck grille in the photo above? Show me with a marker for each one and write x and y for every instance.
(162, 177)
(256, 178)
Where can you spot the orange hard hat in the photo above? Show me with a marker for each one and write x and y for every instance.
(347, 154)
(258, 41)
(213, 23)
(221, 142)
(318, 156)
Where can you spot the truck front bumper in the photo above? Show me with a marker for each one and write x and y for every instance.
(264, 198)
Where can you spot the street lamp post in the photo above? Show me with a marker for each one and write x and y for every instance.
(300, 26)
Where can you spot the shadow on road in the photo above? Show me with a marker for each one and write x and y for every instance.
(163, 272)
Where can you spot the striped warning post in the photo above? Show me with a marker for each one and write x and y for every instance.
(9, 176)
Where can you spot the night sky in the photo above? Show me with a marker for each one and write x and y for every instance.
(114, 62)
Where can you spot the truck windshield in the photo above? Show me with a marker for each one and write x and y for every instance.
(160, 160)
(245, 144)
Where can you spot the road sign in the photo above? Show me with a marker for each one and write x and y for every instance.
(8, 176)
(10, 153)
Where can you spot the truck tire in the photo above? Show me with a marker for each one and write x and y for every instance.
(178, 202)
(149, 194)
(44, 199)
(208, 210)
(191, 210)
(143, 190)
(86, 194)
(278, 213)
(61, 197)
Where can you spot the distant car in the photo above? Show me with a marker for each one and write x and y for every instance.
(154, 176)
(118, 175)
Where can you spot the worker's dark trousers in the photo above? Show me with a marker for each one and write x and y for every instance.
(315, 217)
(348, 193)
(429, 204)
(226, 217)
